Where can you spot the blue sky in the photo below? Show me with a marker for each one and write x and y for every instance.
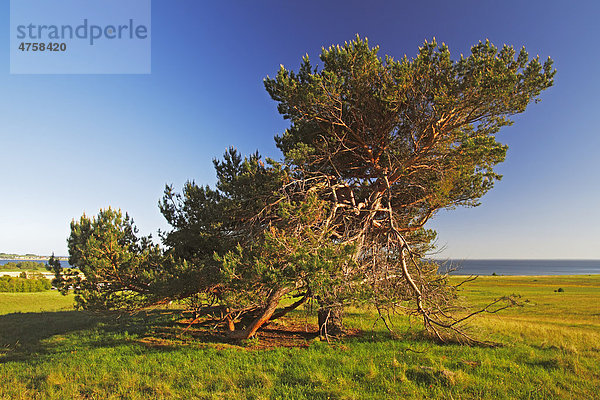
(75, 143)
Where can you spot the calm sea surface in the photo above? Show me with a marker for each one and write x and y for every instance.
(488, 267)
(522, 267)
(64, 264)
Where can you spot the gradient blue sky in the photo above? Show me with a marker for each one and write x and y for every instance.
(71, 144)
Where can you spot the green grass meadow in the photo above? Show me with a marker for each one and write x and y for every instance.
(550, 350)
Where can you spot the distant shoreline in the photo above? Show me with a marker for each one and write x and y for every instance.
(23, 258)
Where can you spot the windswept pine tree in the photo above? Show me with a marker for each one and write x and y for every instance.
(390, 142)
(376, 146)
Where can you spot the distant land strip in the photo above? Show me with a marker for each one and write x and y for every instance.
(32, 257)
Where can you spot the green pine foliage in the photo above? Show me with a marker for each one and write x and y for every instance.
(429, 123)
(115, 268)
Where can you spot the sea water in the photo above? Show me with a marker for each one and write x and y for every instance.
(64, 264)
(520, 267)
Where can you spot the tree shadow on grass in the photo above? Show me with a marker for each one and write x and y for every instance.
(23, 335)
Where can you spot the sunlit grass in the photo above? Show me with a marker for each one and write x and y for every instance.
(34, 302)
(551, 350)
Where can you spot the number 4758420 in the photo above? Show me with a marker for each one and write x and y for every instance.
(42, 46)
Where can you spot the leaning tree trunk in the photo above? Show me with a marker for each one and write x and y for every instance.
(330, 320)
(264, 316)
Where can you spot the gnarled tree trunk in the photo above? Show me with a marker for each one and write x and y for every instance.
(330, 320)
(265, 314)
